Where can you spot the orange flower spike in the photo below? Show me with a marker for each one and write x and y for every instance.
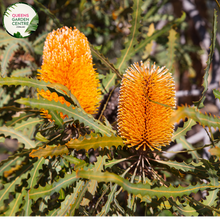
(143, 123)
(67, 60)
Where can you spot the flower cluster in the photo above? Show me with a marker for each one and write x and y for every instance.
(67, 60)
(146, 103)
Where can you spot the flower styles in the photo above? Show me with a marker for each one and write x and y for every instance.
(67, 60)
(146, 103)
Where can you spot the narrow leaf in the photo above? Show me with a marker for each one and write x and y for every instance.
(21, 72)
(193, 113)
(71, 111)
(182, 131)
(49, 151)
(95, 142)
(10, 49)
(54, 187)
(7, 131)
(143, 189)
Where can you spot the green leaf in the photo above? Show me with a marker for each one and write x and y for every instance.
(21, 72)
(57, 118)
(216, 94)
(18, 135)
(182, 140)
(143, 189)
(71, 111)
(33, 24)
(28, 127)
(20, 118)
(54, 187)
(24, 81)
(196, 115)
(192, 167)
(70, 199)
(108, 82)
(132, 38)
(73, 160)
(9, 50)
(60, 88)
(182, 131)
(49, 151)
(95, 142)
(4, 97)
(171, 49)
(10, 163)
(14, 205)
(209, 61)
(10, 187)
(32, 181)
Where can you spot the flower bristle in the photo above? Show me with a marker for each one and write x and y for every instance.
(142, 122)
(67, 60)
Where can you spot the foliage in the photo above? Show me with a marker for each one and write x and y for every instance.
(79, 165)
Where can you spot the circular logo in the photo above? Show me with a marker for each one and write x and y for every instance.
(20, 20)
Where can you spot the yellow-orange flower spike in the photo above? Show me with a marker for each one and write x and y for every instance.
(141, 121)
(67, 60)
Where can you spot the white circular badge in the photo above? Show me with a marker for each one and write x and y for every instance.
(20, 20)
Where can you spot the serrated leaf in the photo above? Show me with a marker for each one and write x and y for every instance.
(22, 42)
(143, 189)
(70, 199)
(74, 160)
(57, 118)
(20, 118)
(193, 113)
(21, 72)
(10, 49)
(192, 167)
(101, 160)
(182, 131)
(24, 81)
(7, 131)
(14, 205)
(171, 49)
(132, 38)
(4, 97)
(49, 151)
(182, 140)
(60, 88)
(209, 61)
(71, 111)
(10, 163)
(10, 187)
(54, 187)
(32, 181)
(28, 127)
(95, 142)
